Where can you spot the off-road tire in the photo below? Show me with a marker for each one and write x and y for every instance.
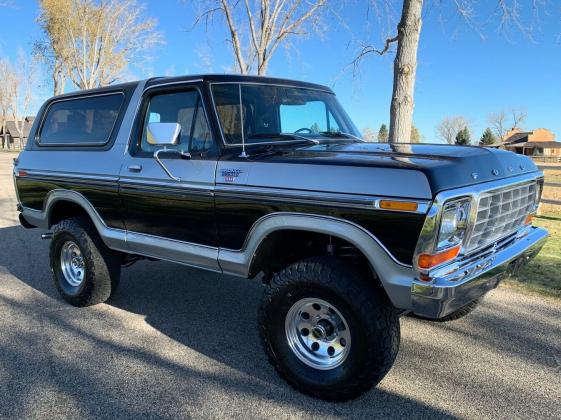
(102, 265)
(457, 314)
(372, 321)
(460, 313)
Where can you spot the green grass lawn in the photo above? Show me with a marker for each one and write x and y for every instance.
(543, 273)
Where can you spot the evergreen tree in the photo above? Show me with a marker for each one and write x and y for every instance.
(315, 128)
(415, 135)
(383, 134)
(487, 138)
(463, 137)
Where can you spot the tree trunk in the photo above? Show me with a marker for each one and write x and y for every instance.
(4, 137)
(59, 78)
(405, 68)
(59, 81)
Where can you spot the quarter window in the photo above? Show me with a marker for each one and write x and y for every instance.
(186, 109)
(81, 121)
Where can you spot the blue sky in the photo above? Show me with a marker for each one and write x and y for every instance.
(459, 72)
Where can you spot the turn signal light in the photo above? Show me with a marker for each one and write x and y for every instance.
(529, 219)
(399, 205)
(432, 260)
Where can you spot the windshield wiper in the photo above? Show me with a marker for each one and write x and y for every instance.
(288, 136)
(340, 134)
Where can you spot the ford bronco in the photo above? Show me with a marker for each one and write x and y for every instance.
(267, 178)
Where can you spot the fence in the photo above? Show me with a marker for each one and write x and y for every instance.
(546, 159)
(12, 143)
(549, 184)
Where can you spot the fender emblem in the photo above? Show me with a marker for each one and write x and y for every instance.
(230, 175)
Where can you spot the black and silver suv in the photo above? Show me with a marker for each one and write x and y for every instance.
(268, 178)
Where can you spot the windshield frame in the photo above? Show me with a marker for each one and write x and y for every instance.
(285, 85)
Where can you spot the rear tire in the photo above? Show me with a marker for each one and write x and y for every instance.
(351, 306)
(85, 271)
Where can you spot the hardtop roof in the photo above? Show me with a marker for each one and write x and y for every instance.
(110, 88)
(237, 78)
(207, 78)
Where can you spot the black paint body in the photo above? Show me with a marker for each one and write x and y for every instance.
(224, 220)
(104, 195)
(398, 232)
(174, 213)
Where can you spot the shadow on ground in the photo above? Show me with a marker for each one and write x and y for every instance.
(111, 374)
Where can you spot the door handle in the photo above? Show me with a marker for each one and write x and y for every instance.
(135, 168)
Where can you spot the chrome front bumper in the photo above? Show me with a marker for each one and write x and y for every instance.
(460, 283)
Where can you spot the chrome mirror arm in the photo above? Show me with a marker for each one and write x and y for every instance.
(166, 170)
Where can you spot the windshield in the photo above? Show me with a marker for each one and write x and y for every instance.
(273, 113)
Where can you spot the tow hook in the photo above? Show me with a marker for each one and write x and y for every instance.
(47, 235)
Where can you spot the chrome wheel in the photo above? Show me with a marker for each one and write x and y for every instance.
(72, 264)
(317, 333)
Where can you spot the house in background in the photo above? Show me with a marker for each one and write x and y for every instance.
(10, 137)
(538, 143)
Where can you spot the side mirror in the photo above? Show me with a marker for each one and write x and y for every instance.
(163, 134)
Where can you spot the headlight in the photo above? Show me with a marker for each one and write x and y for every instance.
(453, 223)
(539, 192)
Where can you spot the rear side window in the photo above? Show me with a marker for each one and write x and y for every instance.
(82, 121)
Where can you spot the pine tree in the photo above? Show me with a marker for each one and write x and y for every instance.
(487, 138)
(463, 137)
(415, 135)
(383, 134)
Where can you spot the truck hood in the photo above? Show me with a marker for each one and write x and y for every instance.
(445, 166)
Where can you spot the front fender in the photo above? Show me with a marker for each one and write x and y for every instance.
(396, 277)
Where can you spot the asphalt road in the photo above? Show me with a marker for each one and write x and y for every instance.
(178, 342)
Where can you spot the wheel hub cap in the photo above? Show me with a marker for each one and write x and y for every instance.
(72, 264)
(317, 333)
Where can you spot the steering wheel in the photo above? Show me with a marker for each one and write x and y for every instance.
(302, 130)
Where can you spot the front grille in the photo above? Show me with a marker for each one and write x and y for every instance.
(501, 213)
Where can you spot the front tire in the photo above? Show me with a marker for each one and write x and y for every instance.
(457, 314)
(85, 271)
(328, 329)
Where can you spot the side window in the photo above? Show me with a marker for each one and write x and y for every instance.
(81, 121)
(186, 109)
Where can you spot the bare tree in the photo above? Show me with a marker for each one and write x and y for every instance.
(500, 123)
(6, 92)
(407, 35)
(267, 23)
(92, 42)
(15, 93)
(449, 128)
(518, 117)
(368, 134)
(22, 93)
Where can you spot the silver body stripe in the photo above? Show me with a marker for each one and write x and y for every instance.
(395, 276)
(373, 181)
(314, 198)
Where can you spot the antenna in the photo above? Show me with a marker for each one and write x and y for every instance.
(244, 154)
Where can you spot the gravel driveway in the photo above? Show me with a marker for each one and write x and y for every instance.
(178, 342)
